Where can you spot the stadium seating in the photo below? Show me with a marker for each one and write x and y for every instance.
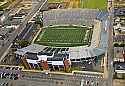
(69, 16)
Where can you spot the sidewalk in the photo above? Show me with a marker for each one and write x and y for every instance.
(96, 34)
(36, 35)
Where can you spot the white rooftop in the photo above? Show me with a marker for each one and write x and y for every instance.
(34, 48)
(78, 53)
(75, 52)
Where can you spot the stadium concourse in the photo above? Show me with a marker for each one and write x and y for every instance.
(62, 57)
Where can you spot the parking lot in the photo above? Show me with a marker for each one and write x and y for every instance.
(10, 72)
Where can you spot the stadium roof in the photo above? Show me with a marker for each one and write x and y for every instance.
(75, 52)
(78, 53)
(33, 48)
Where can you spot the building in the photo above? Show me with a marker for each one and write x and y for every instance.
(47, 58)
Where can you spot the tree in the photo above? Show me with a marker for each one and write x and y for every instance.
(122, 45)
(38, 20)
(116, 45)
(23, 43)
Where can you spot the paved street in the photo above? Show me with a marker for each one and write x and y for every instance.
(31, 78)
(11, 8)
(110, 45)
(66, 80)
(27, 32)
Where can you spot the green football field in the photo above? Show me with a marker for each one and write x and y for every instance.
(64, 36)
(96, 4)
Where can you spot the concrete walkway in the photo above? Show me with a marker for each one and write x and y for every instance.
(96, 34)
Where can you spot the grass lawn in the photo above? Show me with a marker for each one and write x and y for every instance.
(64, 36)
(100, 4)
(55, 1)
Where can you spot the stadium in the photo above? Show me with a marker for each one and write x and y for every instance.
(68, 38)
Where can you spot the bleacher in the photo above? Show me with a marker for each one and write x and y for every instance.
(32, 56)
(69, 16)
(55, 50)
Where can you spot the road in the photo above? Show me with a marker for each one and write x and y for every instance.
(12, 7)
(27, 32)
(53, 79)
(31, 78)
(110, 44)
(21, 27)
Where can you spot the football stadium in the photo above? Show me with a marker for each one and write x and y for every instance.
(69, 38)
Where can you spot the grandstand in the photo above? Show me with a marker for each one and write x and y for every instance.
(70, 17)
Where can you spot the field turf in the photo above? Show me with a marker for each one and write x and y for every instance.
(96, 4)
(64, 36)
